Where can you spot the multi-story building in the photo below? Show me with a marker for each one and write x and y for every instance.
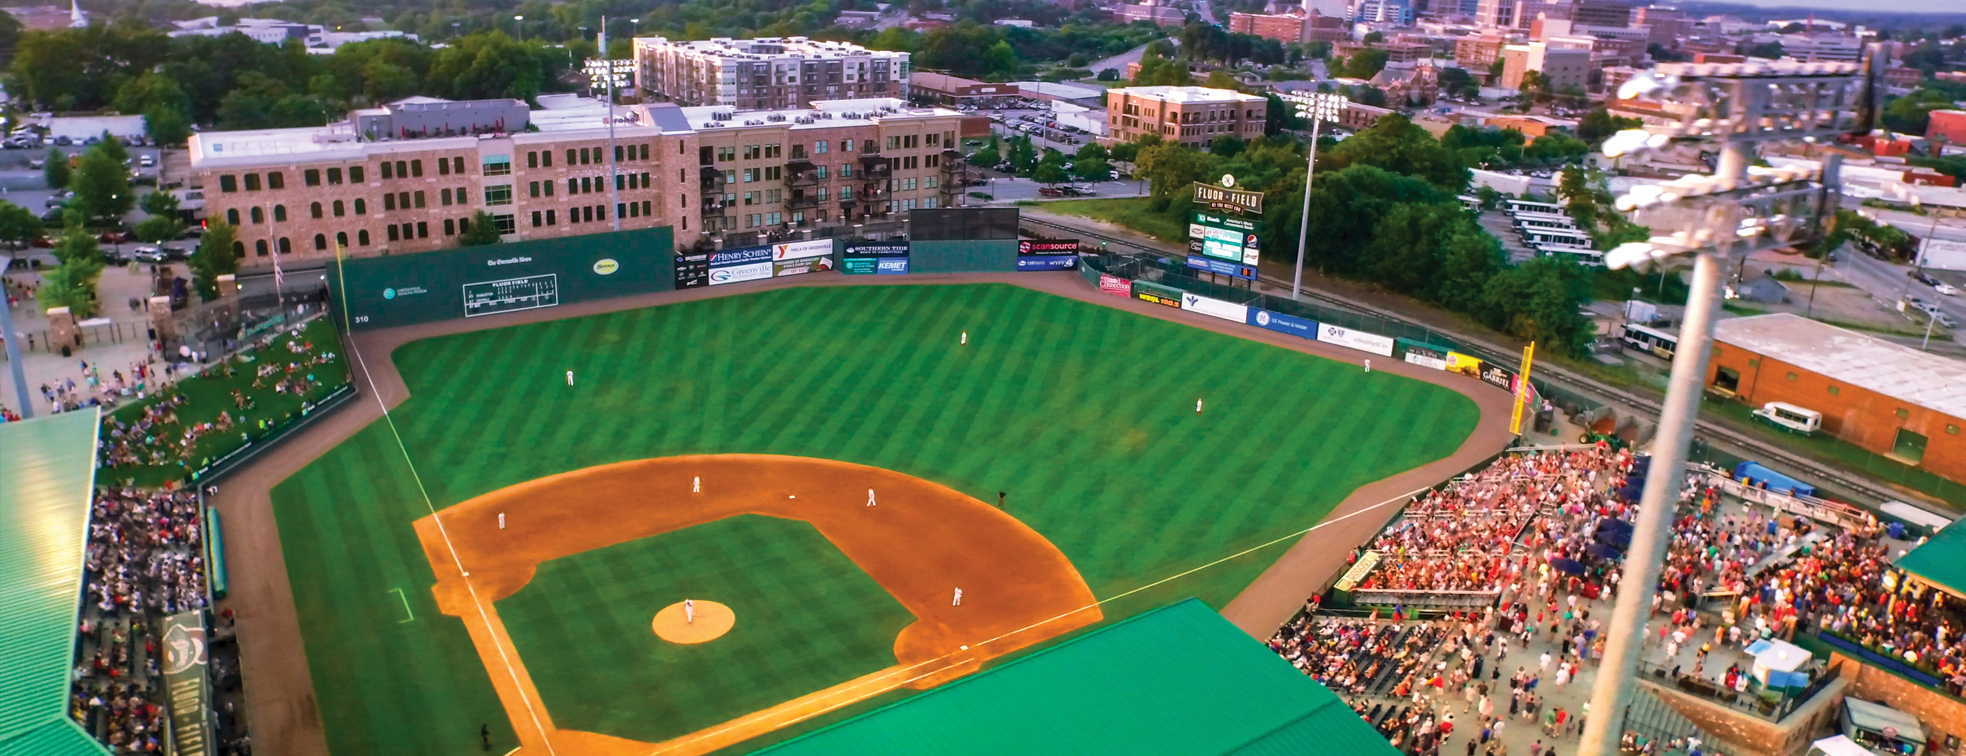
(1946, 126)
(736, 177)
(1561, 68)
(1193, 116)
(1286, 28)
(1611, 13)
(1393, 12)
(1495, 14)
(1665, 25)
(1814, 47)
(768, 73)
(1476, 53)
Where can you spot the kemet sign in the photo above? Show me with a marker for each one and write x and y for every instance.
(1229, 200)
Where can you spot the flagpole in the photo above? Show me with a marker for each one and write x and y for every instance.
(279, 276)
(614, 176)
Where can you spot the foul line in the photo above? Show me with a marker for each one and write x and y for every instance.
(341, 277)
(1101, 602)
(406, 605)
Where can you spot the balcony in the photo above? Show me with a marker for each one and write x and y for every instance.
(711, 178)
(804, 178)
(799, 163)
(872, 157)
(877, 171)
(803, 202)
(710, 209)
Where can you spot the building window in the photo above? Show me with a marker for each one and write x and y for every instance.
(259, 248)
(548, 186)
(354, 175)
(645, 207)
(320, 242)
(314, 210)
(259, 216)
(286, 246)
(252, 182)
(1903, 413)
(403, 169)
(620, 209)
(362, 237)
(552, 218)
(573, 186)
(444, 197)
(361, 206)
(388, 202)
(450, 227)
(498, 195)
(276, 180)
(506, 224)
(443, 166)
(1792, 376)
(232, 216)
(422, 229)
(1952, 430)
(394, 235)
(334, 176)
(645, 152)
(532, 160)
(387, 173)
(498, 165)
(238, 249)
(1754, 362)
(537, 216)
(532, 190)
(311, 177)
(419, 198)
(341, 239)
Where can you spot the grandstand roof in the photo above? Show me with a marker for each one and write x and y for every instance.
(1941, 560)
(1177, 680)
(47, 469)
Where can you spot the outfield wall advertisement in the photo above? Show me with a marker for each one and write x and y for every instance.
(1047, 262)
(1157, 294)
(1116, 286)
(1427, 358)
(397, 290)
(1215, 308)
(1281, 323)
(874, 258)
(187, 685)
(1224, 267)
(1364, 342)
(737, 265)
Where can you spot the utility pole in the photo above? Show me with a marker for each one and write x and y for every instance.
(1737, 211)
(1319, 107)
(614, 176)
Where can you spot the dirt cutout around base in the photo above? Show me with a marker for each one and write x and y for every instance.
(920, 542)
(704, 622)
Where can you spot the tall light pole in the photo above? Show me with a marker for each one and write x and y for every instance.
(1319, 107)
(519, 26)
(1737, 211)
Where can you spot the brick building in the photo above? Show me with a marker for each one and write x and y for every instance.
(1947, 125)
(1884, 397)
(1193, 116)
(1287, 28)
(1476, 53)
(766, 73)
(737, 177)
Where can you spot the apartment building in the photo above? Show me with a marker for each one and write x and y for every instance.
(735, 177)
(842, 163)
(1476, 53)
(768, 73)
(1562, 68)
(1193, 116)
(1286, 28)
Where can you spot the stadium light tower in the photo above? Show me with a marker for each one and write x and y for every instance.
(1319, 107)
(1717, 219)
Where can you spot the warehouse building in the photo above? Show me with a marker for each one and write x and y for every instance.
(1884, 397)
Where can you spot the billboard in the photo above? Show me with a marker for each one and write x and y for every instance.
(1219, 220)
(1498, 376)
(1281, 323)
(1047, 262)
(1157, 294)
(743, 264)
(1116, 286)
(801, 249)
(1048, 246)
(1425, 357)
(692, 271)
(1227, 238)
(397, 290)
(1365, 342)
(1943, 254)
(187, 685)
(874, 258)
(1463, 364)
(1227, 199)
(1215, 308)
(801, 266)
(876, 249)
(1225, 267)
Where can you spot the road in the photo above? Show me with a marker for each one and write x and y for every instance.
(1118, 62)
(1628, 402)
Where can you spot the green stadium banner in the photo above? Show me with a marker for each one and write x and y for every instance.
(186, 684)
(396, 290)
(986, 255)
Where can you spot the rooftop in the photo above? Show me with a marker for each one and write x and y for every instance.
(761, 48)
(1867, 362)
(1179, 681)
(1066, 91)
(1189, 94)
(47, 473)
(822, 114)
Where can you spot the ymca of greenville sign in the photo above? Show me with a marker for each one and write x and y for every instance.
(1229, 200)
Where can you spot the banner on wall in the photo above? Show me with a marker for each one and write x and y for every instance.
(1215, 308)
(874, 258)
(1048, 246)
(187, 685)
(1364, 342)
(1427, 358)
(1047, 262)
(1225, 267)
(1157, 294)
(1498, 376)
(735, 265)
(802, 249)
(801, 266)
(1281, 323)
(1463, 364)
(1116, 286)
(692, 271)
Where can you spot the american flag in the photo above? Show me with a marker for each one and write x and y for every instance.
(279, 276)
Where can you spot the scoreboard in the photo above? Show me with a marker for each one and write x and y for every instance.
(511, 295)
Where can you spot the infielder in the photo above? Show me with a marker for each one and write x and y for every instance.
(696, 485)
(870, 497)
(1197, 406)
(959, 598)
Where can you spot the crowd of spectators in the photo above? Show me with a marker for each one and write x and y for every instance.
(145, 560)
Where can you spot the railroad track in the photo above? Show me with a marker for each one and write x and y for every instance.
(1758, 448)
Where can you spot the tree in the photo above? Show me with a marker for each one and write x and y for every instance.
(1599, 124)
(1539, 301)
(1169, 166)
(1092, 168)
(1769, 50)
(213, 258)
(1397, 145)
(102, 185)
(73, 284)
(1000, 59)
(482, 231)
(1364, 64)
(19, 225)
(485, 66)
(1049, 173)
(1226, 145)
(1125, 152)
(56, 169)
(1374, 37)
(987, 157)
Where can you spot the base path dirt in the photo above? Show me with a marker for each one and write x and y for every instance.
(922, 541)
(279, 689)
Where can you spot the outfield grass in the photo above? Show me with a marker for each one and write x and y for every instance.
(1084, 414)
(592, 611)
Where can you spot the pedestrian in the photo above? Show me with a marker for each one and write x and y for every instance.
(965, 338)
(696, 484)
(959, 598)
(1545, 665)
(1499, 725)
(1368, 366)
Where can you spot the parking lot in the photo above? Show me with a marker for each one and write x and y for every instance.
(24, 183)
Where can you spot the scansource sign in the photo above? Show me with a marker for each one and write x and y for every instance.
(1281, 323)
(1364, 342)
(1048, 246)
(1215, 308)
(801, 250)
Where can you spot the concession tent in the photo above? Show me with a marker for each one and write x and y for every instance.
(1175, 681)
(1778, 664)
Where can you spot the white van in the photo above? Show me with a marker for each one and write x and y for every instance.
(1791, 418)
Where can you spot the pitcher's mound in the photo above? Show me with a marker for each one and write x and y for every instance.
(712, 621)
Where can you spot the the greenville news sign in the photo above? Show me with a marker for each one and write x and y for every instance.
(187, 688)
(1229, 200)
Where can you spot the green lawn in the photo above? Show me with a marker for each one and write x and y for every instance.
(210, 393)
(1084, 414)
(1129, 212)
(592, 611)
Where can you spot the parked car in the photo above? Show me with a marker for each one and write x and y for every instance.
(42, 242)
(150, 253)
(113, 237)
(1051, 191)
(37, 163)
(53, 214)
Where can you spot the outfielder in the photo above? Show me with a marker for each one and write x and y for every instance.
(569, 377)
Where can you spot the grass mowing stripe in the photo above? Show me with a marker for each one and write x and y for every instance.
(791, 374)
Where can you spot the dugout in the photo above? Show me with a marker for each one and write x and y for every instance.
(1176, 680)
(963, 240)
(383, 292)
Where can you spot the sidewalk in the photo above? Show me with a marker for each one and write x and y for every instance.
(112, 348)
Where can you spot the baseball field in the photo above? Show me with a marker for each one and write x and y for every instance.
(724, 451)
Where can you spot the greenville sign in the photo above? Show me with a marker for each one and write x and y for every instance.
(1229, 200)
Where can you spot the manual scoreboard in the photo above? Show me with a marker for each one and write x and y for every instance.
(511, 295)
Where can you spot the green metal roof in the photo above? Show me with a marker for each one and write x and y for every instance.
(1177, 680)
(47, 472)
(1941, 560)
